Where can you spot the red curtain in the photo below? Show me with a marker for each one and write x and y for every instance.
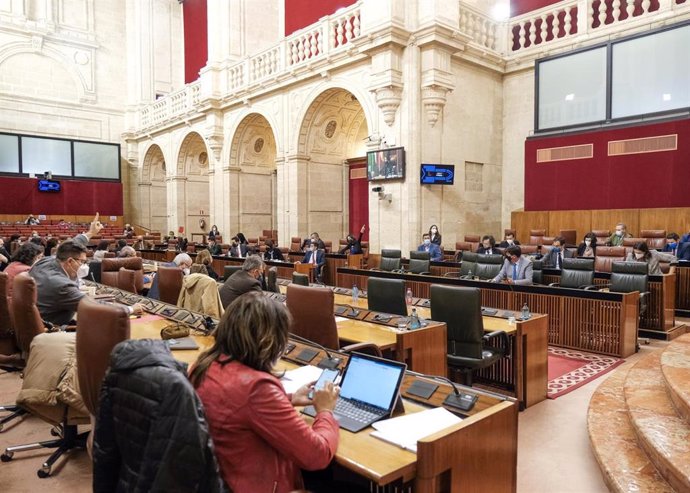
(519, 7)
(195, 38)
(359, 198)
(21, 196)
(301, 13)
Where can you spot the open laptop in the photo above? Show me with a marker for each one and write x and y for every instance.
(369, 390)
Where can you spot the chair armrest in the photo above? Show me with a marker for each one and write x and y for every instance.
(502, 336)
(554, 284)
(592, 287)
(363, 347)
(425, 273)
(602, 286)
(452, 274)
(587, 287)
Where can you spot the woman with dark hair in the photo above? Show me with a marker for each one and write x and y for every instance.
(204, 258)
(22, 260)
(102, 249)
(261, 442)
(213, 233)
(50, 244)
(642, 253)
(588, 247)
(435, 235)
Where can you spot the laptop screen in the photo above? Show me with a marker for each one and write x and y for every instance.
(371, 380)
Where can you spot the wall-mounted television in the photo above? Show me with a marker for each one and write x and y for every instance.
(437, 174)
(49, 186)
(386, 164)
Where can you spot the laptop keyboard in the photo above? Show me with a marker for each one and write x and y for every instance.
(357, 411)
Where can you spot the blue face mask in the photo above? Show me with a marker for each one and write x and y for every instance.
(672, 245)
(427, 241)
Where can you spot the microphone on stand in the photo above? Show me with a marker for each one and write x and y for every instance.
(330, 362)
(353, 311)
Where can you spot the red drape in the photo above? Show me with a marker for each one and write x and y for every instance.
(301, 13)
(195, 38)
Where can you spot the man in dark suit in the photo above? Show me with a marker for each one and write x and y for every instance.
(272, 252)
(317, 257)
(488, 246)
(435, 253)
(672, 244)
(213, 247)
(242, 281)
(554, 258)
(237, 248)
(509, 241)
(314, 237)
(516, 268)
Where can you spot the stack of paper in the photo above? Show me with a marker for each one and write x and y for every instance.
(405, 431)
(294, 379)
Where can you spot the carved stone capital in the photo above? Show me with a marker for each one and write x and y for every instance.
(434, 99)
(215, 142)
(388, 100)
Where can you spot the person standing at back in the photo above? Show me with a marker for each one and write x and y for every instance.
(435, 235)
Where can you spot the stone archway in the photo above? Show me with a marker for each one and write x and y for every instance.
(188, 192)
(153, 201)
(333, 130)
(252, 178)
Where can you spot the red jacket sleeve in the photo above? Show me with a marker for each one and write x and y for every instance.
(275, 419)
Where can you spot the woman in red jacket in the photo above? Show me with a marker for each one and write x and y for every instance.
(261, 442)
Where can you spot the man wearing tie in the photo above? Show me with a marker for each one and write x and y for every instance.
(435, 253)
(516, 268)
(554, 259)
(237, 249)
(315, 257)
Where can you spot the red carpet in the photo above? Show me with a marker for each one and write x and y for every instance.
(570, 369)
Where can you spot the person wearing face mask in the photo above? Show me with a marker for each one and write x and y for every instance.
(516, 268)
(354, 245)
(313, 238)
(182, 261)
(642, 253)
(57, 278)
(273, 252)
(488, 246)
(435, 235)
(435, 253)
(317, 257)
(237, 248)
(621, 232)
(672, 244)
(246, 280)
(588, 247)
(508, 241)
(554, 258)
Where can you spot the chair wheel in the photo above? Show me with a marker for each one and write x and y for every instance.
(42, 474)
(6, 457)
(55, 431)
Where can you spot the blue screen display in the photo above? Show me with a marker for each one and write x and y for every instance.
(437, 174)
(48, 186)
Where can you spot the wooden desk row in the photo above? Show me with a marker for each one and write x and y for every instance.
(595, 321)
(683, 289)
(478, 454)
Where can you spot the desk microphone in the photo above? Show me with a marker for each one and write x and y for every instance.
(461, 401)
(353, 311)
(330, 362)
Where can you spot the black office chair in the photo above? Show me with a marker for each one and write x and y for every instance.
(577, 273)
(537, 274)
(272, 280)
(468, 346)
(627, 277)
(301, 279)
(468, 268)
(387, 296)
(488, 266)
(419, 262)
(390, 260)
(229, 270)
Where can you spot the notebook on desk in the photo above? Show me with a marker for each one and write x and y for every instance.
(369, 390)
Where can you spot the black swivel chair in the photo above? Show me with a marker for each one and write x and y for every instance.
(419, 262)
(537, 274)
(468, 346)
(577, 273)
(272, 280)
(488, 266)
(627, 277)
(387, 296)
(390, 260)
(301, 279)
(229, 270)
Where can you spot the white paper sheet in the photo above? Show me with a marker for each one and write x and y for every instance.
(405, 431)
(294, 379)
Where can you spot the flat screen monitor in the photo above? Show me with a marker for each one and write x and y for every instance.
(49, 186)
(437, 174)
(386, 164)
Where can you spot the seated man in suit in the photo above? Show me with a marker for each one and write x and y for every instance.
(672, 244)
(435, 253)
(314, 237)
(317, 257)
(213, 247)
(237, 248)
(354, 245)
(554, 258)
(242, 281)
(182, 261)
(488, 246)
(508, 241)
(516, 268)
(272, 252)
(621, 232)
(57, 278)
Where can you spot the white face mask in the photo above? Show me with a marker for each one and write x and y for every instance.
(619, 232)
(427, 241)
(186, 271)
(510, 242)
(83, 271)
(639, 256)
(588, 242)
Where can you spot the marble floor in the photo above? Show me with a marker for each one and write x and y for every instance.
(554, 455)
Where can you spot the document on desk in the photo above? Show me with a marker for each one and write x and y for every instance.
(341, 319)
(405, 431)
(294, 379)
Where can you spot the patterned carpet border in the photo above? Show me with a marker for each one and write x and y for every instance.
(595, 366)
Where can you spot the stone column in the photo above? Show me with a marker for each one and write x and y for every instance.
(292, 189)
(177, 203)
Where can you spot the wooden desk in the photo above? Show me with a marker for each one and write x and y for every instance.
(682, 271)
(480, 452)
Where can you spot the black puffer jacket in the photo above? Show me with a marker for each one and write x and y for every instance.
(151, 434)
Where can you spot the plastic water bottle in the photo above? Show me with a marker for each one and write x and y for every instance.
(414, 320)
(525, 312)
(469, 274)
(355, 294)
(408, 296)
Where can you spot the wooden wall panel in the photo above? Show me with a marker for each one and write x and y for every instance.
(578, 220)
(608, 218)
(673, 220)
(522, 222)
